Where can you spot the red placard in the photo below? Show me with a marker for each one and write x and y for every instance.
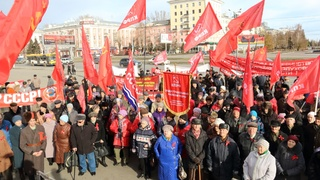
(150, 83)
(176, 90)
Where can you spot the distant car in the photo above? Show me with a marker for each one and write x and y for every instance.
(125, 61)
(66, 60)
(151, 61)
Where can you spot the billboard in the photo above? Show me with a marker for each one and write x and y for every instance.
(60, 39)
(166, 38)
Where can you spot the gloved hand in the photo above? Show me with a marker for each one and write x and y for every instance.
(196, 160)
(284, 173)
(133, 150)
(210, 169)
(235, 175)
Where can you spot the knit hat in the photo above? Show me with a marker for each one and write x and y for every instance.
(80, 117)
(167, 128)
(184, 117)
(48, 115)
(294, 138)
(263, 143)
(16, 118)
(196, 110)
(69, 105)
(123, 113)
(224, 126)
(236, 109)
(218, 121)
(254, 113)
(64, 118)
(282, 115)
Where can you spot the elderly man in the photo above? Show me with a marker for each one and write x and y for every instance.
(237, 123)
(83, 137)
(223, 158)
(290, 127)
(248, 139)
(58, 109)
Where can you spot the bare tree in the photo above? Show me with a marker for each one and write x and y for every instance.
(158, 16)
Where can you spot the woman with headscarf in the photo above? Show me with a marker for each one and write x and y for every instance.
(121, 128)
(290, 160)
(49, 125)
(71, 113)
(260, 164)
(15, 132)
(167, 150)
(143, 141)
(33, 143)
(61, 139)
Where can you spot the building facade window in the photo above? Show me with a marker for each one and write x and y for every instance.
(181, 13)
(199, 3)
(175, 6)
(175, 13)
(180, 5)
(187, 12)
(192, 11)
(199, 10)
(192, 4)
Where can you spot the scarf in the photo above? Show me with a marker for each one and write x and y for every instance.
(196, 133)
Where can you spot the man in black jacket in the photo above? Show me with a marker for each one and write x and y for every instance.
(82, 139)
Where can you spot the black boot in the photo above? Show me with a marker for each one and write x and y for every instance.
(103, 161)
(60, 168)
(50, 160)
(69, 169)
(97, 163)
(21, 174)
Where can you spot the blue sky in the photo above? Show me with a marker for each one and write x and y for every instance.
(277, 13)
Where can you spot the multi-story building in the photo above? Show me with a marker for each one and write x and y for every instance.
(184, 15)
(96, 30)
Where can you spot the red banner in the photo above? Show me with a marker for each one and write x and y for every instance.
(176, 90)
(48, 95)
(151, 83)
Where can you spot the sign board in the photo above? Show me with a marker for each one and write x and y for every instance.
(60, 39)
(166, 38)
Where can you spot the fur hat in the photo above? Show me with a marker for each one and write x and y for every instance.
(294, 138)
(167, 128)
(29, 115)
(196, 121)
(92, 114)
(224, 126)
(80, 117)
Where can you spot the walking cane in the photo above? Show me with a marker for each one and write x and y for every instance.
(199, 169)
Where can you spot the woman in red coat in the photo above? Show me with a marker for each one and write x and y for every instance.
(121, 128)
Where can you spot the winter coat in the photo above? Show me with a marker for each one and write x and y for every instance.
(49, 128)
(165, 122)
(5, 153)
(15, 132)
(61, 139)
(275, 141)
(33, 141)
(310, 132)
(155, 105)
(143, 141)
(259, 167)
(101, 133)
(121, 139)
(314, 166)
(223, 158)
(72, 116)
(196, 147)
(180, 131)
(9, 115)
(290, 160)
(136, 122)
(236, 127)
(167, 152)
(267, 118)
(246, 144)
(158, 116)
(83, 137)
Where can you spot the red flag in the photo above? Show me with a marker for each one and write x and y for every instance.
(207, 25)
(194, 61)
(129, 86)
(260, 54)
(311, 97)
(308, 82)
(2, 19)
(90, 95)
(136, 14)
(276, 70)
(58, 72)
(90, 72)
(106, 77)
(161, 58)
(226, 45)
(247, 93)
(82, 99)
(249, 19)
(14, 34)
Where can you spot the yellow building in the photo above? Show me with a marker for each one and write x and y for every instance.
(184, 15)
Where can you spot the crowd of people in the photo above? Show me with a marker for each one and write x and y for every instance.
(216, 139)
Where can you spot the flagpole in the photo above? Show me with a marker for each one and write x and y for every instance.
(317, 101)
(145, 51)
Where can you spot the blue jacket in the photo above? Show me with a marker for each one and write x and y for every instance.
(168, 154)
